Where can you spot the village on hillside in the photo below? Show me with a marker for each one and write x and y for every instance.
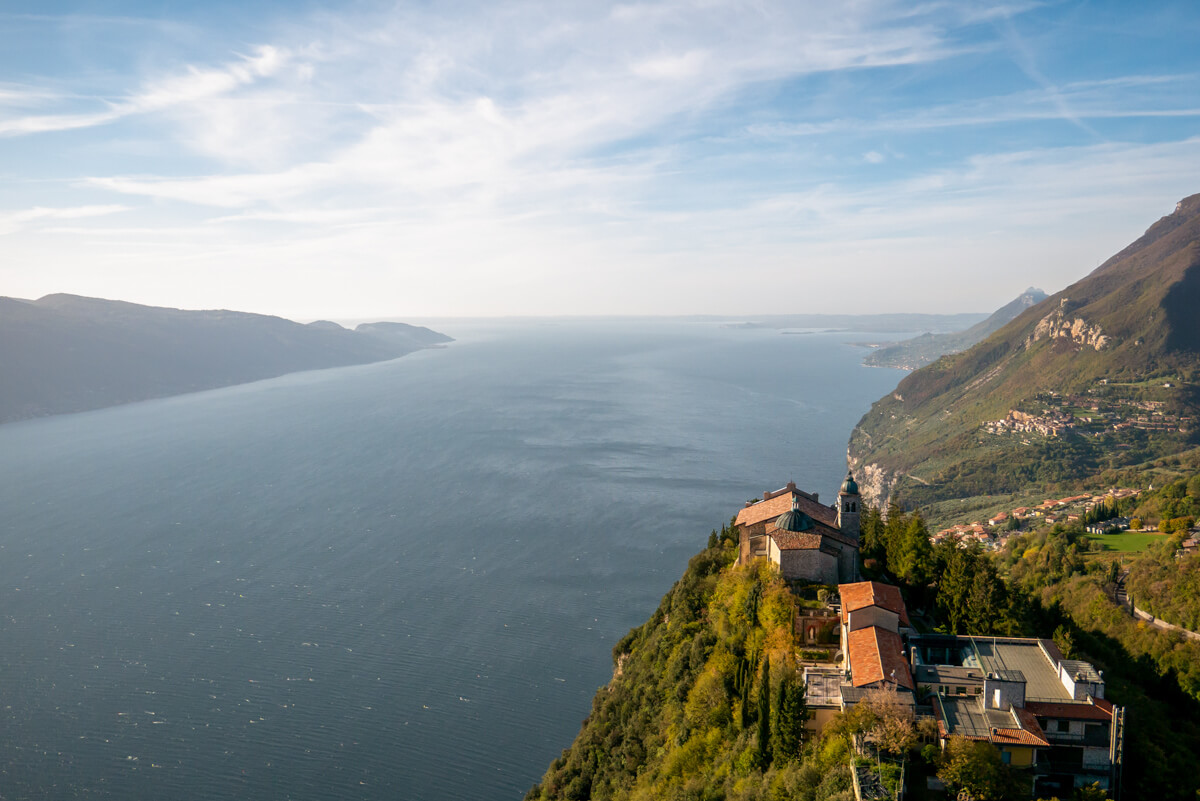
(1052, 414)
(1043, 712)
(993, 533)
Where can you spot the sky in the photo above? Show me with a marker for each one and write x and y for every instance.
(428, 159)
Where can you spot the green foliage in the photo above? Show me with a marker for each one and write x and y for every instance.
(975, 767)
(1065, 641)
(791, 711)
(764, 715)
(1167, 587)
(686, 713)
(1155, 675)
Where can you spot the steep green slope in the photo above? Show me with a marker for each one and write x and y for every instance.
(1120, 344)
(684, 714)
(919, 351)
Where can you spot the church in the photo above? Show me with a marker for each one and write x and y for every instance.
(805, 538)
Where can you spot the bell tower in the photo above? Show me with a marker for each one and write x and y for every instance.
(849, 506)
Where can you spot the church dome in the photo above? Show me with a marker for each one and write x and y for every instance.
(794, 520)
(850, 486)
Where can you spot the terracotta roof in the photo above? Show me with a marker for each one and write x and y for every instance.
(796, 540)
(782, 502)
(875, 655)
(1030, 732)
(1045, 709)
(1017, 737)
(862, 594)
(788, 542)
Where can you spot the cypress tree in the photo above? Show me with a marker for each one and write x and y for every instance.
(791, 711)
(764, 715)
(744, 670)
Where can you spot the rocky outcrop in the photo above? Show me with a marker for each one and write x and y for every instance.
(875, 483)
(1057, 325)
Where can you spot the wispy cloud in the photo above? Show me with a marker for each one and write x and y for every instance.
(193, 85)
(13, 221)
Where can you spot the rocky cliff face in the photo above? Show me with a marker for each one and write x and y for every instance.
(1058, 325)
(875, 482)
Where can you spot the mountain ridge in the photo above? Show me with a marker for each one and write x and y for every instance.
(67, 353)
(912, 354)
(1123, 335)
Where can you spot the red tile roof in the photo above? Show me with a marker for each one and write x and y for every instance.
(801, 540)
(875, 656)
(782, 502)
(862, 594)
(795, 540)
(1017, 737)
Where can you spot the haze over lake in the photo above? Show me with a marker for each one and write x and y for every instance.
(401, 580)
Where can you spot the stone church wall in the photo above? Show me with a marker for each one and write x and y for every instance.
(810, 565)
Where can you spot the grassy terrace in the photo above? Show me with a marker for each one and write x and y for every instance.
(1127, 541)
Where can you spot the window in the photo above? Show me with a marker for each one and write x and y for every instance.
(960, 690)
(1064, 725)
(1006, 757)
(978, 690)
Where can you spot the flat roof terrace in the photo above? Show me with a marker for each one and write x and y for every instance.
(996, 655)
(967, 717)
(821, 687)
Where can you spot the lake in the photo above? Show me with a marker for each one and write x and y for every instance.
(395, 581)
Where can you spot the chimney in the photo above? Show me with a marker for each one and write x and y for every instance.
(791, 485)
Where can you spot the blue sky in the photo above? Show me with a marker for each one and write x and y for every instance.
(354, 160)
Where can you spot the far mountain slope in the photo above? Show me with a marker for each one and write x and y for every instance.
(912, 354)
(65, 353)
(1101, 374)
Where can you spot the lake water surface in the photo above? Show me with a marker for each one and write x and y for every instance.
(396, 581)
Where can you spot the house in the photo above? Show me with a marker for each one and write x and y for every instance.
(1106, 526)
(998, 519)
(1042, 711)
(874, 618)
(806, 539)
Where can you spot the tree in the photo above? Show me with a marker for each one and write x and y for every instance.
(914, 557)
(954, 586)
(764, 715)
(741, 683)
(986, 603)
(1064, 641)
(894, 727)
(872, 533)
(1114, 571)
(791, 711)
(975, 767)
